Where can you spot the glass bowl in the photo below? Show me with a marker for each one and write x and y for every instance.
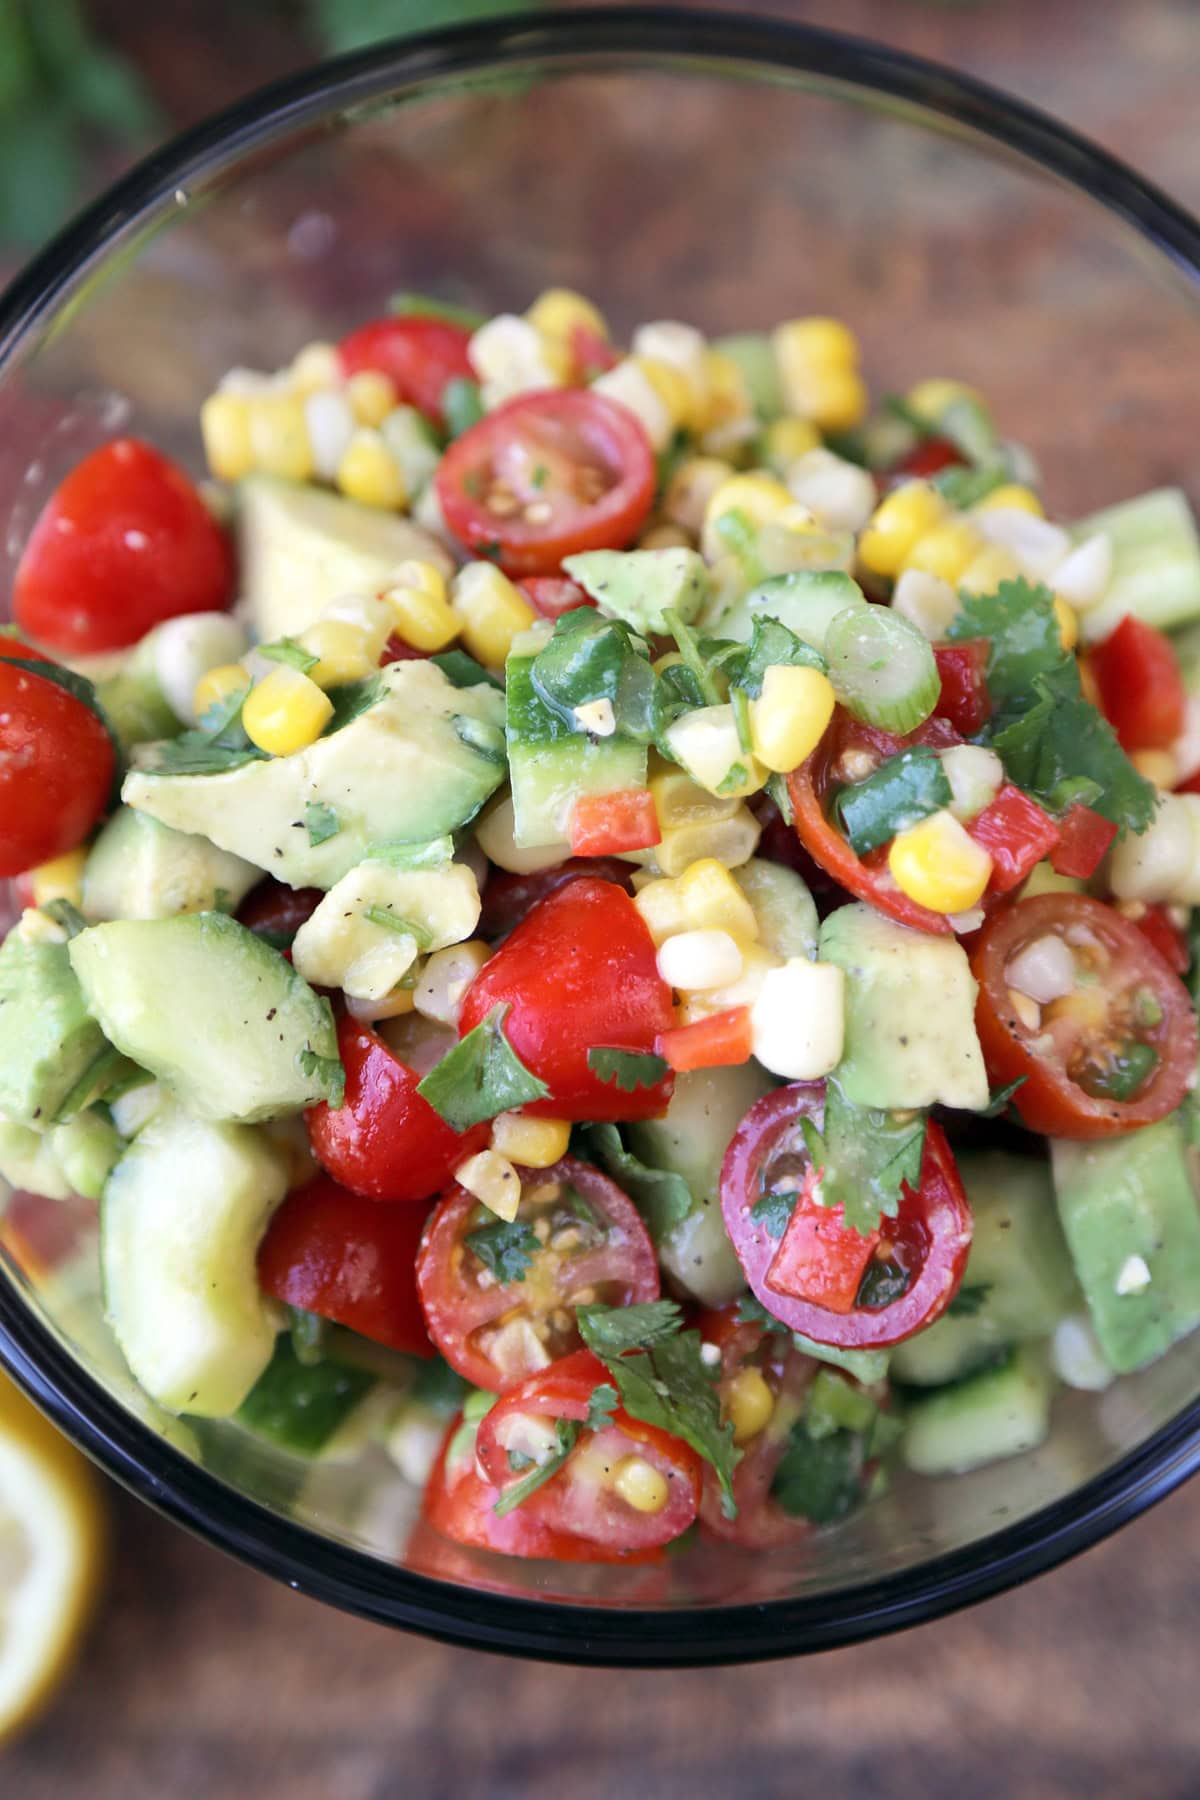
(732, 172)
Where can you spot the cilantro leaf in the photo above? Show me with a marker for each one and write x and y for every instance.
(462, 404)
(693, 658)
(462, 671)
(968, 1300)
(1061, 738)
(612, 1330)
(676, 691)
(777, 788)
(1000, 1097)
(902, 791)
(567, 1433)
(663, 1198)
(1018, 620)
(865, 1156)
(963, 487)
(627, 1069)
(820, 1479)
(591, 657)
(752, 1312)
(321, 822)
(507, 1249)
(771, 645)
(390, 921)
(351, 700)
(774, 1212)
(601, 1407)
(217, 743)
(327, 1071)
(287, 650)
(480, 1077)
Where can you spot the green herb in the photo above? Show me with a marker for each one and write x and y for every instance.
(904, 790)
(390, 921)
(627, 1070)
(774, 1212)
(612, 1330)
(590, 657)
(435, 853)
(507, 1249)
(676, 691)
(968, 1300)
(752, 1312)
(663, 1198)
(1000, 1097)
(327, 1071)
(1019, 622)
(697, 664)
(425, 306)
(777, 788)
(1126, 1072)
(883, 1283)
(962, 487)
(351, 700)
(734, 779)
(601, 1407)
(567, 1436)
(287, 650)
(308, 1332)
(462, 671)
(740, 701)
(771, 645)
(462, 405)
(480, 1077)
(867, 1366)
(1062, 738)
(321, 822)
(820, 1479)
(67, 917)
(669, 459)
(865, 1157)
(218, 743)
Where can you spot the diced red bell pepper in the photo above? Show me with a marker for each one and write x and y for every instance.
(1016, 833)
(607, 824)
(1141, 689)
(964, 698)
(1083, 839)
(1167, 938)
(819, 1259)
(718, 1042)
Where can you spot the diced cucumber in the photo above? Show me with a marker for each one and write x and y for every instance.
(87, 1147)
(302, 1406)
(1001, 1411)
(1156, 562)
(754, 355)
(867, 1366)
(551, 765)
(27, 1160)
(784, 907)
(807, 601)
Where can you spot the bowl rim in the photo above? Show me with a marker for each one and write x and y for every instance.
(59, 1384)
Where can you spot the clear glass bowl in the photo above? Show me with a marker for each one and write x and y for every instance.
(733, 173)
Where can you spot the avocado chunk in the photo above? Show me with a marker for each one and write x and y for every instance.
(135, 705)
(27, 1160)
(180, 1223)
(910, 1014)
(807, 601)
(211, 1010)
(783, 906)
(1129, 1212)
(140, 869)
(300, 548)
(753, 353)
(642, 586)
(550, 764)
(998, 1412)
(48, 1039)
(417, 762)
(366, 934)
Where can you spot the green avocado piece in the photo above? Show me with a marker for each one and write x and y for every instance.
(141, 869)
(642, 586)
(48, 1039)
(87, 1147)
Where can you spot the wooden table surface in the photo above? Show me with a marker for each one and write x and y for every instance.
(202, 1679)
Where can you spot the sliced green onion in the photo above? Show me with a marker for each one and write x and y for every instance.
(882, 668)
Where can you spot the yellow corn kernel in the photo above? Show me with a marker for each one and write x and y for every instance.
(900, 519)
(534, 1143)
(747, 1404)
(786, 440)
(939, 865)
(641, 1485)
(934, 397)
(1013, 495)
(817, 361)
(1068, 622)
(1158, 766)
(493, 1180)
(690, 489)
(59, 879)
(984, 573)
(316, 366)
(286, 712)
(419, 599)
(713, 901)
(369, 473)
(817, 340)
(491, 611)
(730, 841)
(757, 496)
(728, 398)
(343, 652)
(372, 396)
(217, 685)
(560, 311)
(661, 906)
(788, 720)
(279, 441)
(225, 428)
(678, 800)
(1088, 683)
(946, 551)
(673, 389)
(837, 399)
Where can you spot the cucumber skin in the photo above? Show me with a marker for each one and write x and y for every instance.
(999, 1412)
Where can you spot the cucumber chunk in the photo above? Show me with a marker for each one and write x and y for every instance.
(1156, 562)
(1001, 1411)
(301, 1406)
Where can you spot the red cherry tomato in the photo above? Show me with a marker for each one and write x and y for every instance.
(761, 1523)
(581, 1499)
(554, 595)
(507, 898)
(1141, 688)
(964, 698)
(1016, 833)
(56, 764)
(834, 764)
(385, 1140)
(1158, 929)
(124, 543)
(579, 971)
(1083, 839)
(496, 1331)
(923, 1249)
(276, 913)
(421, 355)
(591, 353)
(1117, 1052)
(348, 1259)
(546, 475)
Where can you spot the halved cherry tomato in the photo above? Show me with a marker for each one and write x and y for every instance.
(1166, 937)
(591, 353)
(507, 898)
(122, 544)
(1016, 833)
(589, 1244)
(929, 457)
(548, 474)
(1083, 840)
(554, 595)
(581, 1498)
(1117, 1052)
(420, 354)
(848, 752)
(580, 971)
(1141, 688)
(56, 764)
(964, 698)
(396, 650)
(385, 1140)
(276, 913)
(606, 824)
(761, 1523)
(721, 1041)
(922, 1252)
(348, 1259)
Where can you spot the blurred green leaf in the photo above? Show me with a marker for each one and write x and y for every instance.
(350, 24)
(18, 73)
(110, 95)
(40, 167)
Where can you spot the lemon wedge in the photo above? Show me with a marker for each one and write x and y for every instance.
(51, 1537)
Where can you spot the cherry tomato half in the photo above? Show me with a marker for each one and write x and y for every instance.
(348, 1259)
(849, 752)
(497, 1325)
(579, 971)
(548, 474)
(56, 764)
(123, 543)
(421, 355)
(916, 1263)
(761, 1523)
(554, 595)
(582, 1498)
(507, 898)
(1116, 1052)
(385, 1140)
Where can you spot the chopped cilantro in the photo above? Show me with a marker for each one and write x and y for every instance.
(694, 660)
(968, 1300)
(1000, 1097)
(1061, 738)
(321, 822)
(774, 1212)
(772, 645)
(567, 1435)
(434, 853)
(663, 1198)
(327, 1071)
(1019, 623)
(590, 657)
(462, 405)
(480, 1077)
(287, 650)
(627, 1070)
(777, 788)
(902, 791)
(865, 1156)
(820, 1479)
(601, 1407)
(507, 1249)
(462, 671)
(752, 1312)
(390, 921)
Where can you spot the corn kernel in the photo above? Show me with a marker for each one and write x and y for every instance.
(559, 312)
(662, 535)
(419, 599)
(691, 488)
(286, 712)
(641, 1485)
(694, 960)
(1158, 766)
(939, 865)
(371, 613)
(757, 964)
(673, 390)
(712, 899)
(217, 685)
(729, 402)
(900, 519)
(678, 800)
(786, 440)
(934, 397)
(493, 1181)
(788, 721)
(1068, 622)
(315, 366)
(494, 835)
(279, 440)
(984, 573)
(927, 602)
(490, 610)
(369, 473)
(59, 879)
(1013, 494)
(534, 1143)
(372, 396)
(758, 497)
(343, 652)
(225, 428)
(817, 361)
(747, 1403)
(946, 551)
(393, 1005)
(730, 841)
(445, 978)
